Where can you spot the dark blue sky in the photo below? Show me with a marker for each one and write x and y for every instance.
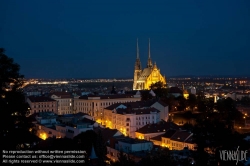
(97, 38)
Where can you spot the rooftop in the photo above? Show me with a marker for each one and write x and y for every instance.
(137, 104)
(131, 140)
(34, 99)
(181, 136)
(107, 133)
(136, 111)
(161, 126)
(114, 96)
(62, 94)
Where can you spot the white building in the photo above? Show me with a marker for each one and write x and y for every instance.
(175, 140)
(47, 126)
(41, 104)
(94, 104)
(127, 120)
(50, 125)
(65, 102)
(135, 148)
(77, 126)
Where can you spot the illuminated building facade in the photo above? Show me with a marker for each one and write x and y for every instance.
(135, 148)
(175, 140)
(153, 130)
(41, 104)
(95, 104)
(65, 102)
(143, 78)
(128, 120)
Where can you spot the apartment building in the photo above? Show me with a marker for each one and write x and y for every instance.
(127, 119)
(65, 102)
(135, 148)
(94, 104)
(41, 104)
(175, 140)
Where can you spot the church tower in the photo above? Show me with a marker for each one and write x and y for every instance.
(138, 69)
(149, 65)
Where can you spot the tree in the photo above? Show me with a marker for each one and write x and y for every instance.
(159, 89)
(145, 95)
(182, 103)
(157, 85)
(245, 101)
(191, 101)
(101, 149)
(159, 158)
(123, 160)
(9, 73)
(170, 100)
(12, 101)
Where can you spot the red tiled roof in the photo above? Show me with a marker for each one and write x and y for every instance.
(115, 96)
(161, 126)
(180, 136)
(190, 140)
(62, 94)
(137, 104)
(169, 133)
(107, 133)
(137, 111)
(40, 99)
(157, 138)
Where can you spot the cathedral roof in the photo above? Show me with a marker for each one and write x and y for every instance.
(144, 75)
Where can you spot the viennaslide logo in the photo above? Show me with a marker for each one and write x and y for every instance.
(233, 155)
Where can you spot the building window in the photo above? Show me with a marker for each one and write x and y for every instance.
(127, 124)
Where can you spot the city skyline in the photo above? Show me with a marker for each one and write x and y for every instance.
(98, 39)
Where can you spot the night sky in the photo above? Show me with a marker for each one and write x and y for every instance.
(97, 38)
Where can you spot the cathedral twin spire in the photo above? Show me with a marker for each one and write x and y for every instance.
(149, 65)
(149, 62)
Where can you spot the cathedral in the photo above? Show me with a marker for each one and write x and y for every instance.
(143, 78)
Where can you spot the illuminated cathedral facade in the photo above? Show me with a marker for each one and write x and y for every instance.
(143, 78)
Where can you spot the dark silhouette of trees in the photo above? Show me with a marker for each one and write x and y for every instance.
(101, 149)
(9, 73)
(182, 103)
(161, 157)
(159, 89)
(192, 101)
(13, 107)
(158, 85)
(145, 95)
(245, 101)
(123, 160)
(87, 139)
(170, 100)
